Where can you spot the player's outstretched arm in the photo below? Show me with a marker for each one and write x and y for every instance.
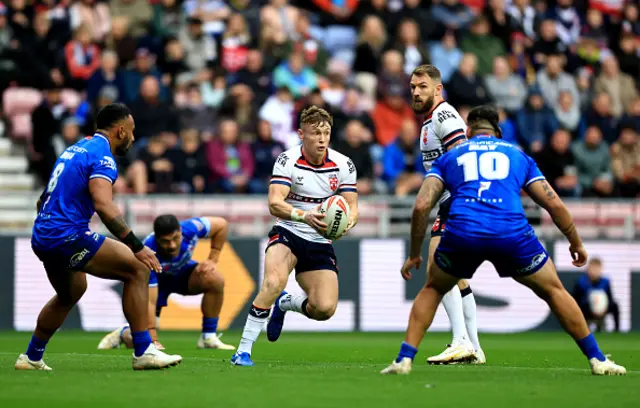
(544, 195)
(428, 196)
(218, 235)
(278, 207)
(101, 192)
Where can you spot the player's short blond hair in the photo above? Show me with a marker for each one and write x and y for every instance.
(314, 116)
(428, 70)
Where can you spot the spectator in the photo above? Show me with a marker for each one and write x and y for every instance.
(552, 80)
(152, 171)
(547, 44)
(231, 163)
(595, 29)
(625, 161)
(392, 71)
(355, 145)
(446, 55)
(255, 76)
(620, 87)
(524, 16)
(633, 114)
(190, 169)
(371, 42)
(69, 135)
(628, 58)
(279, 112)
(174, 67)
(265, 151)
(82, 58)
(335, 28)
(153, 115)
(584, 82)
(508, 127)
(501, 24)
(144, 66)
(121, 41)
(417, 10)
(630, 22)
(195, 114)
(235, 44)
(390, 113)
(568, 21)
(403, 169)
(213, 91)
(279, 17)
(593, 162)
(568, 114)
(107, 75)
(589, 282)
(507, 89)
(314, 52)
(353, 108)
(334, 90)
(200, 49)
(410, 45)
(94, 15)
(239, 106)
(295, 75)
(601, 116)
(466, 87)
(45, 124)
(481, 43)
(42, 52)
(137, 11)
(167, 18)
(452, 14)
(557, 164)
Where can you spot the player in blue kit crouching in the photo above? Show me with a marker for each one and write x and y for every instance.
(80, 185)
(487, 223)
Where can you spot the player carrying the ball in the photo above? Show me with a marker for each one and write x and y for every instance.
(303, 178)
(485, 176)
(174, 243)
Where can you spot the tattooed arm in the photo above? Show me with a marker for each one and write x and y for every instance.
(431, 190)
(544, 195)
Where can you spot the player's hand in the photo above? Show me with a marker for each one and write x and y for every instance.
(148, 258)
(578, 254)
(409, 264)
(313, 219)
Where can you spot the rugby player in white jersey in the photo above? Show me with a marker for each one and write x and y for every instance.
(444, 128)
(303, 177)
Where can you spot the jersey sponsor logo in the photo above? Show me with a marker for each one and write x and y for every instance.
(282, 159)
(333, 182)
(444, 115)
(67, 156)
(199, 225)
(77, 258)
(351, 166)
(535, 262)
(108, 162)
(425, 133)
(431, 154)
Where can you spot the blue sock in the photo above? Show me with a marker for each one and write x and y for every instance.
(209, 325)
(124, 328)
(406, 350)
(141, 341)
(36, 348)
(590, 348)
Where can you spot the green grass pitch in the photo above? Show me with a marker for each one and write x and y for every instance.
(322, 370)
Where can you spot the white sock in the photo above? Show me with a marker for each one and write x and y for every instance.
(208, 336)
(470, 319)
(252, 329)
(290, 303)
(452, 302)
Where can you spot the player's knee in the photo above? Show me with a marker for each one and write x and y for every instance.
(273, 283)
(71, 297)
(213, 281)
(323, 309)
(137, 273)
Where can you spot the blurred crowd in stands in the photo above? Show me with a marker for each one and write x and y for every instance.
(216, 86)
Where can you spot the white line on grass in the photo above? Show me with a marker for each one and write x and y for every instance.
(338, 363)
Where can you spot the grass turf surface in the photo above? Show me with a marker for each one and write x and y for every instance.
(321, 370)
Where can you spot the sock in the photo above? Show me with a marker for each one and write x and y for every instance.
(36, 347)
(141, 341)
(452, 302)
(470, 316)
(124, 329)
(209, 325)
(290, 303)
(406, 350)
(252, 328)
(590, 348)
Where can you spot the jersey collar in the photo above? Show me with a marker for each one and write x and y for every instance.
(325, 159)
(434, 108)
(100, 135)
(485, 135)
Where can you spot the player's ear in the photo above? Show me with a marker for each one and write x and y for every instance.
(439, 88)
(300, 134)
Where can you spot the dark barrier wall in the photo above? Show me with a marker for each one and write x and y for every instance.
(373, 296)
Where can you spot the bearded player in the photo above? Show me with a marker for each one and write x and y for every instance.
(303, 177)
(443, 129)
(174, 243)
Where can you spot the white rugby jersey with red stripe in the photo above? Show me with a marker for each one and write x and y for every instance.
(312, 184)
(443, 127)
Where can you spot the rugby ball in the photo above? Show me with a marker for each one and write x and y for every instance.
(336, 216)
(598, 302)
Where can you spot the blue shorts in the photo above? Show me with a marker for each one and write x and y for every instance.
(172, 283)
(70, 253)
(512, 257)
(312, 256)
(441, 220)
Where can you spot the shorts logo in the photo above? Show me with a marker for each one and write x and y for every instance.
(535, 262)
(443, 260)
(436, 225)
(333, 182)
(77, 258)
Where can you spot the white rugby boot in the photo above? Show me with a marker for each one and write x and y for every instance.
(606, 367)
(213, 341)
(403, 367)
(479, 357)
(112, 340)
(456, 353)
(154, 359)
(23, 363)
